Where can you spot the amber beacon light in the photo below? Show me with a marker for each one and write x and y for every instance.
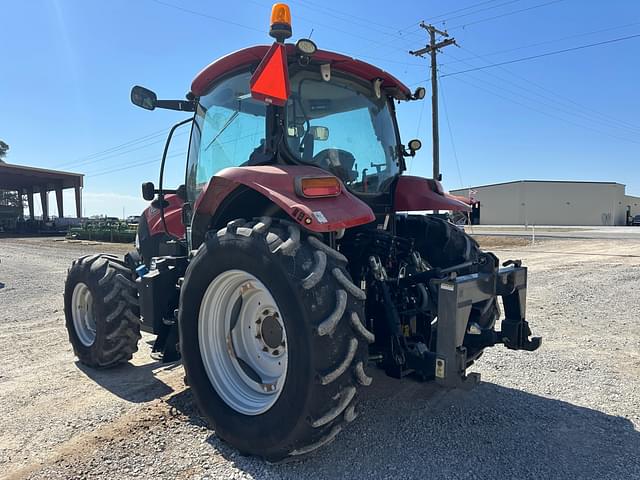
(280, 22)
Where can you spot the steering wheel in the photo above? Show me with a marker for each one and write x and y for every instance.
(337, 161)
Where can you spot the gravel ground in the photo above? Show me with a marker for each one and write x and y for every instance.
(569, 410)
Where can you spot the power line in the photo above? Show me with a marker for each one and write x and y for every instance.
(606, 119)
(546, 42)
(552, 106)
(126, 151)
(514, 12)
(206, 15)
(115, 147)
(413, 29)
(125, 163)
(488, 8)
(350, 17)
(134, 165)
(155, 157)
(543, 112)
(448, 19)
(434, 19)
(547, 54)
(554, 102)
(446, 14)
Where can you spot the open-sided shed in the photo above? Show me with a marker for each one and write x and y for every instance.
(30, 180)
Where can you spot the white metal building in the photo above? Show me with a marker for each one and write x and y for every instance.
(541, 202)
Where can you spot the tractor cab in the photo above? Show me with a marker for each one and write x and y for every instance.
(295, 105)
(336, 113)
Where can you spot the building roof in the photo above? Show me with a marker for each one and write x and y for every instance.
(14, 177)
(253, 55)
(536, 181)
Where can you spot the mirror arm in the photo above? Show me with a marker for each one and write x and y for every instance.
(406, 153)
(180, 105)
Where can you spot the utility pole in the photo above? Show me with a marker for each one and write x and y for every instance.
(432, 50)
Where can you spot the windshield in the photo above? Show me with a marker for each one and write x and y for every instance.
(342, 127)
(229, 131)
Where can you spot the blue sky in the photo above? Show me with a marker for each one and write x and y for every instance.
(68, 66)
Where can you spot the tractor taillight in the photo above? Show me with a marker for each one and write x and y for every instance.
(311, 187)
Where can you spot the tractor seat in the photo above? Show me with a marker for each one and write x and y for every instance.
(337, 161)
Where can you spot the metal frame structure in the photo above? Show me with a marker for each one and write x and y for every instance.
(31, 180)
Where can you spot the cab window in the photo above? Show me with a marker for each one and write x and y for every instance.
(342, 127)
(228, 129)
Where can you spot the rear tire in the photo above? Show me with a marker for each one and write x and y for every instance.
(444, 245)
(101, 311)
(326, 345)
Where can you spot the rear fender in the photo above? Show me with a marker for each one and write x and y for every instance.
(417, 193)
(277, 183)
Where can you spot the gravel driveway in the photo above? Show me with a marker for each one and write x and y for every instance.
(569, 410)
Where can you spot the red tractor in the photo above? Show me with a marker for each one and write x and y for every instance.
(288, 262)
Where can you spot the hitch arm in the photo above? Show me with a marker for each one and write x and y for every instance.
(515, 329)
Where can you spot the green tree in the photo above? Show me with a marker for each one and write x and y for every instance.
(4, 147)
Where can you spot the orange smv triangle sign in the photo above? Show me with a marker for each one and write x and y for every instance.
(270, 82)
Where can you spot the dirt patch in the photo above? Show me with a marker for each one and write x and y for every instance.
(495, 241)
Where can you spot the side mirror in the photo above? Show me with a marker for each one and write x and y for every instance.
(144, 98)
(320, 133)
(414, 146)
(148, 191)
(419, 94)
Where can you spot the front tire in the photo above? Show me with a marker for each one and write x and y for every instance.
(101, 311)
(320, 341)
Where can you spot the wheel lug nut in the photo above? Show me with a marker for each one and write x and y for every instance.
(265, 349)
(276, 352)
(258, 321)
(258, 336)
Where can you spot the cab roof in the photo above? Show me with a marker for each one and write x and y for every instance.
(253, 55)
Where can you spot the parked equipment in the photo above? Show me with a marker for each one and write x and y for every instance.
(283, 267)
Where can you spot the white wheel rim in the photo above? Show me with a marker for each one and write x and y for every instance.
(84, 321)
(246, 364)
